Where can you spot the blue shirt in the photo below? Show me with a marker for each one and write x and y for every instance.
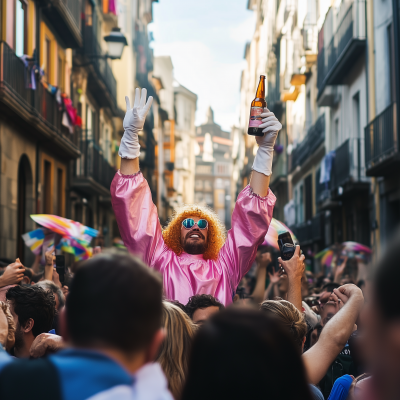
(84, 373)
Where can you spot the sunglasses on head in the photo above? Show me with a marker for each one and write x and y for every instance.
(189, 223)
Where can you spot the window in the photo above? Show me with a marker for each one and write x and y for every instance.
(61, 70)
(208, 186)
(221, 168)
(47, 58)
(47, 206)
(208, 199)
(60, 192)
(308, 197)
(204, 169)
(20, 28)
(391, 67)
(198, 198)
(199, 185)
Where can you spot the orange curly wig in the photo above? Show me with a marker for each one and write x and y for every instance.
(216, 230)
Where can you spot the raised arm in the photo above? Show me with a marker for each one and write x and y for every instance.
(131, 197)
(254, 206)
(334, 335)
(262, 166)
(295, 269)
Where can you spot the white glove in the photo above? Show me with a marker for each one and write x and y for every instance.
(265, 153)
(133, 123)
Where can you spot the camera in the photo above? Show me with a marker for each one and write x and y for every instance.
(286, 246)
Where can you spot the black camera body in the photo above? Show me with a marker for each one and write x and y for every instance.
(286, 246)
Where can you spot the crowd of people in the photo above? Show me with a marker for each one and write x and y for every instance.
(192, 312)
(115, 335)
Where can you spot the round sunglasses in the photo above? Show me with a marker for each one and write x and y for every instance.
(189, 223)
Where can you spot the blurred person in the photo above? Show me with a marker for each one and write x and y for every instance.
(380, 324)
(12, 275)
(175, 349)
(191, 252)
(33, 310)
(336, 332)
(7, 327)
(242, 354)
(263, 260)
(50, 286)
(111, 325)
(200, 307)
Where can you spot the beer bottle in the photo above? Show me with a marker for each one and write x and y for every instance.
(257, 108)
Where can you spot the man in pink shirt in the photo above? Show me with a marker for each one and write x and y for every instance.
(192, 253)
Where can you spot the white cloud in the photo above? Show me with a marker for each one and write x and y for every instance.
(243, 32)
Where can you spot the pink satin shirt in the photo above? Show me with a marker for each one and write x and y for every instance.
(187, 275)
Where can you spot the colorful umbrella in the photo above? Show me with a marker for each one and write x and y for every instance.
(66, 227)
(356, 247)
(326, 256)
(275, 229)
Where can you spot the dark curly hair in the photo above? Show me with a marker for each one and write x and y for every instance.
(202, 301)
(33, 302)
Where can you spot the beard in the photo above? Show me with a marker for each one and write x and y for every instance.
(194, 248)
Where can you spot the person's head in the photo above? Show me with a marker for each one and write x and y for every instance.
(57, 292)
(329, 306)
(175, 350)
(181, 235)
(289, 317)
(33, 310)
(241, 353)
(381, 323)
(8, 340)
(200, 307)
(115, 305)
(328, 287)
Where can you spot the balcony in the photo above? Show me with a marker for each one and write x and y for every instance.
(314, 139)
(348, 171)
(382, 143)
(338, 51)
(101, 81)
(65, 16)
(279, 170)
(36, 110)
(92, 172)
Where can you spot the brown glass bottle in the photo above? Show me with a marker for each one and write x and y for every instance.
(257, 108)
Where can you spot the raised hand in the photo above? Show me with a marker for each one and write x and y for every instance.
(13, 274)
(265, 153)
(133, 123)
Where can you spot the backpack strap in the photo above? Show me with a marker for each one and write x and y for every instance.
(30, 379)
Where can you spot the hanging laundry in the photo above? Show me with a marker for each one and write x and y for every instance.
(29, 72)
(58, 98)
(326, 167)
(66, 122)
(78, 121)
(70, 109)
(112, 7)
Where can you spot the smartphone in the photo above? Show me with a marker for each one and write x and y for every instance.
(286, 246)
(60, 268)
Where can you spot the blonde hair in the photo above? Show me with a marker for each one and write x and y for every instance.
(216, 230)
(174, 352)
(10, 340)
(289, 316)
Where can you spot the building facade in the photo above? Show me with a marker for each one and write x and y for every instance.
(213, 177)
(332, 82)
(62, 102)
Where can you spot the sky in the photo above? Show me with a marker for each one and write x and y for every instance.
(206, 40)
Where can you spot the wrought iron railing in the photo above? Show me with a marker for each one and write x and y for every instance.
(314, 138)
(39, 102)
(92, 163)
(348, 165)
(332, 46)
(381, 137)
(74, 8)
